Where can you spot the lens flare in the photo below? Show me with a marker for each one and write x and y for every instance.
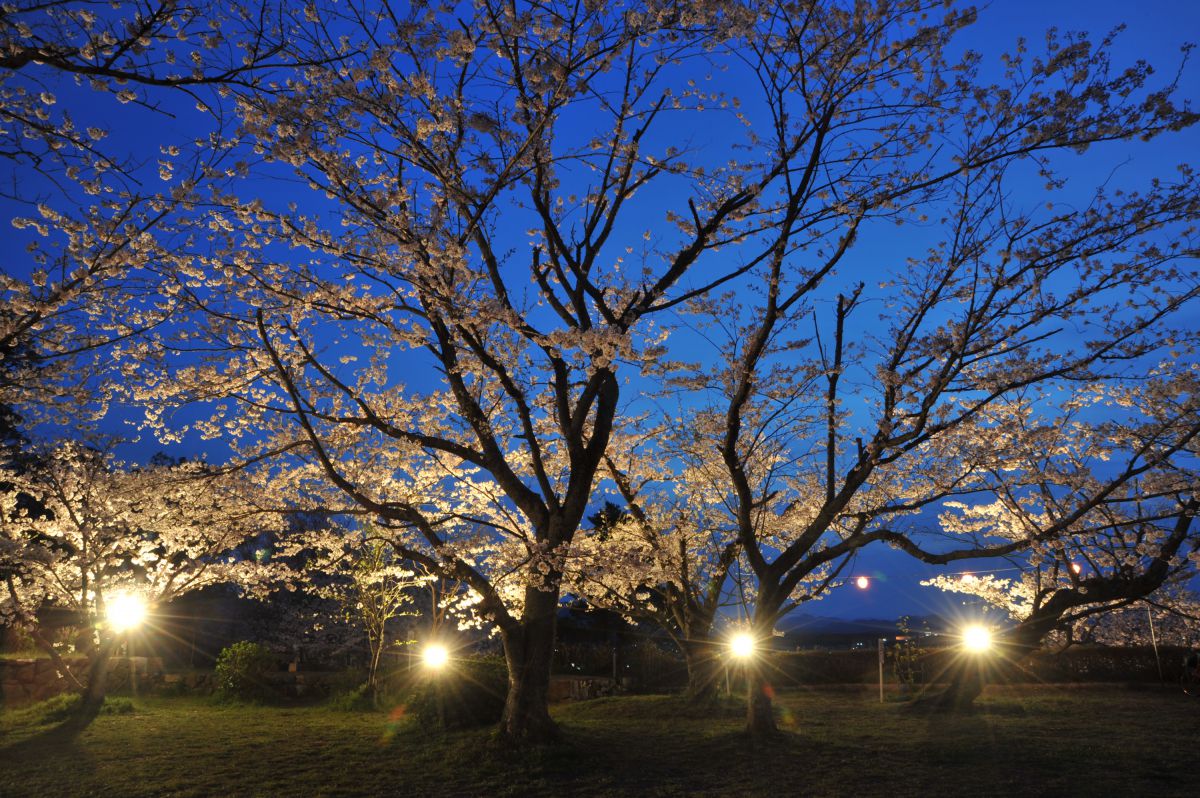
(435, 656)
(125, 611)
(976, 638)
(742, 645)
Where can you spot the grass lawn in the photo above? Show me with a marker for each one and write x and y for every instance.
(1103, 742)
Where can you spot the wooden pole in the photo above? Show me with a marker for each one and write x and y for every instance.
(881, 670)
(1154, 642)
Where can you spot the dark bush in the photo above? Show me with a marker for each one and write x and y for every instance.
(468, 693)
(243, 672)
(1103, 664)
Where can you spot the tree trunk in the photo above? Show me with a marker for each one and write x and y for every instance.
(760, 695)
(528, 651)
(703, 668)
(967, 681)
(93, 691)
(373, 671)
(760, 708)
(972, 672)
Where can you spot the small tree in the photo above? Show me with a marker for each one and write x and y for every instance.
(906, 656)
(379, 589)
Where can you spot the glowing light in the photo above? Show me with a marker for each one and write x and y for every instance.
(125, 611)
(976, 638)
(1076, 567)
(862, 583)
(967, 579)
(742, 645)
(435, 656)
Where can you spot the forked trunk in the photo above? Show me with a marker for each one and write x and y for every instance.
(376, 656)
(373, 671)
(528, 652)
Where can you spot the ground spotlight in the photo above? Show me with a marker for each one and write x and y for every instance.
(435, 656)
(741, 645)
(125, 611)
(976, 638)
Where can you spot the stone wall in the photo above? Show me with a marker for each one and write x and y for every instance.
(25, 681)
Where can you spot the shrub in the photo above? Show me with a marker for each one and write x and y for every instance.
(243, 670)
(469, 693)
(117, 706)
(358, 699)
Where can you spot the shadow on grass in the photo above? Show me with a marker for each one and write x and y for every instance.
(52, 741)
(53, 725)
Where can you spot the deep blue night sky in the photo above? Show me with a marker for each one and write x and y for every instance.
(1155, 31)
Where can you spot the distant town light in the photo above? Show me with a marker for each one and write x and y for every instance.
(976, 638)
(125, 611)
(435, 656)
(862, 583)
(741, 645)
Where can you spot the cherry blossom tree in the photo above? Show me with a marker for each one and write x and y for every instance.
(833, 428)
(1131, 559)
(489, 230)
(434, 135)
(936, 423)
(83, 534)
(1138, 546)
(374, 589)
(86, 198)
(1168, 617)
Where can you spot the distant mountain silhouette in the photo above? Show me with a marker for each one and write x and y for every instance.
(802, 629)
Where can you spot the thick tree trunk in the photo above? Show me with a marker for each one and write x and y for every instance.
(528, 652)
(760, 706)
(93, 691)
(967, 680)
(760, 695)
(972, 672)
(703, 668)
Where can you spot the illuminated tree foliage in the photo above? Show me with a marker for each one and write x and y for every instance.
(844, 399)
(80, 533)
(88, 199)
(1135, 547)
(374, 588)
